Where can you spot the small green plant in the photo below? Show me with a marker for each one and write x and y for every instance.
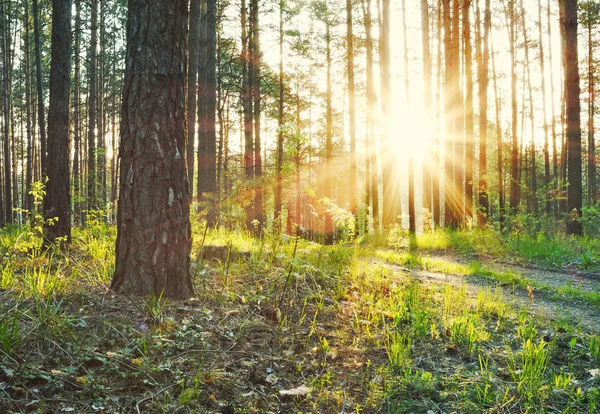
(398, 350)
(528, 370)
(43, 282)
(484, 392)
(526, 329)
(10, 337)
(594, 348)
(154, 307)
(467, 331)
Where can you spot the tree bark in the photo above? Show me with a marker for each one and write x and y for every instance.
(207, 103)
(568, 25)
(256, 103)
(483, 75)
(7, 102)
(57, 202)
(153, 222)
(194, 50)
(469, 119)
(544, 110)
(514, 159)
(247, 110)
(92, 111)
(351, 111)
(28, 98)
(40, 91)
(280, 114)
(427, 101)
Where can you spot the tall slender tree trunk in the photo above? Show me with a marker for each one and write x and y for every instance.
(568, 20)
(450, 195)
(57, 202)
(28, 100)
(207, 101)
(552, 113)
(499, 143)
(256, 98)
(514, 159)
(100, 117)
(469, 119)
(351, 111)
(373, 190)
(544, 109)
(591, 158)
(533, 202)
(391, 191)
(7, 102)
(92, 111)
(280, 115)
(194, 50)
(247, 110)
(435, 162)
(329, 131)
(428, 103)
(76, 116)
(483, 77)
(40, 91)
(412, 220)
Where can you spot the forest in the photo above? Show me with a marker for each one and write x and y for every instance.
(307, 206)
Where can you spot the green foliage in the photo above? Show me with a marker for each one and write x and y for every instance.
(528, 370)
(10, 335)
(466, 330)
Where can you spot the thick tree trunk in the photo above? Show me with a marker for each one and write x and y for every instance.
(194, 50)
(153, 223)
(568, 20)
(57, 202)
(207, 103)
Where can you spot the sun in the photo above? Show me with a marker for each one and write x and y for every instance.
(410, 133)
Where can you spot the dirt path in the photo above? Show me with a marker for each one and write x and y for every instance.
(545, 305)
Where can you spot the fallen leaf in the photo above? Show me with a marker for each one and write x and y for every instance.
(272, 379)
(594, 372)
(297, 392)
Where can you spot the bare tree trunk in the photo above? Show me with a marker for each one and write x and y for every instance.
(279, 164)
(552, 112)
(544, 109)
(247, 109)
(153, 223)
(7, 101)
(500, 146)
(591, 159)
(256, 97)
(351, 112)
(57, 202)
(391, 191)
(28, 98)
(435, 162)
(427, 100)
(76, 116)
(194, 50)
(92, 111)
(568, 20)
(40, 91)
(329, 135)
(469, 121)
(207, 101)
(514, 159)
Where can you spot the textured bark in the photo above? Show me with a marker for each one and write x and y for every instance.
(450, 196)
(153, 223)
(57, 202)
(435, 159)
(391, 191)
(194, 50)
(532, 199)
(591, 158)
(40, 91)
(568, 25)
(207, 104)
(412, 219)
(92, 111)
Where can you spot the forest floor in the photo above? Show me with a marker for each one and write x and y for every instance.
(279, 328)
